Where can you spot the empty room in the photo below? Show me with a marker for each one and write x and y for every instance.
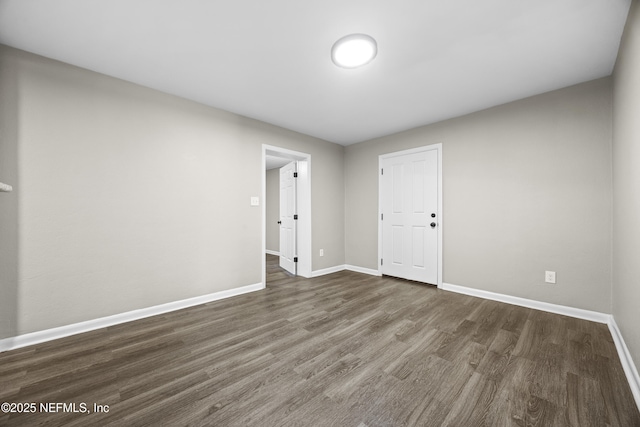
(338, 213)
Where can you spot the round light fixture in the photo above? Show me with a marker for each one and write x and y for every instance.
(354, 50)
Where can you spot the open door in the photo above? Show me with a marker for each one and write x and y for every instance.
(288, 217)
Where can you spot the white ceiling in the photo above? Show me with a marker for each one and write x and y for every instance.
(270, 60)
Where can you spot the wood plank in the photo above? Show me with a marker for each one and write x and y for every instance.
(584, 406)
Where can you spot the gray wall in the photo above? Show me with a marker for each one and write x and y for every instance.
(626, 185)
(527, 188)
(273, 210)
(9, 246)
(130, 198)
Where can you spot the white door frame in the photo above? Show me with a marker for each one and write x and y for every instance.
(303, 195)
(438, 148)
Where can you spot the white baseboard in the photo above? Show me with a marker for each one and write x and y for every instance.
(337, 268)
(322, 272)
(579, 313)
(625, 359)
(103, 322)
(276, 253)
(364, 270)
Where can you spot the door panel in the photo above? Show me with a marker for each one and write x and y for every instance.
(417, 249)
(418, 189)
(409, 196)
(287, 221)
(397, 186)
(397, 244)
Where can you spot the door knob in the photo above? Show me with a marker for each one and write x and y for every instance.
(433, 225)
(433, 215)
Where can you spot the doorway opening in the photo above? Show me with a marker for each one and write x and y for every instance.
(277, 158)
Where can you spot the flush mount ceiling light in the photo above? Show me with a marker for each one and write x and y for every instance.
(354, 50)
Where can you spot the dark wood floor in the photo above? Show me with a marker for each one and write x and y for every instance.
(344, 349)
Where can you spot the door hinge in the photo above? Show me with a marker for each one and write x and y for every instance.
(381, 171)
(382, 217)
(295, 259)
(295, 174)
(381, 261)
(295, 217)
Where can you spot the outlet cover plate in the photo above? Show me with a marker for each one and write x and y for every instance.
(550, 276)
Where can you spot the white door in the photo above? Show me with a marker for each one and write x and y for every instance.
(288, 214)
(409, 208)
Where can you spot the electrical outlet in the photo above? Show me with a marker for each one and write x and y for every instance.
(550, 276)
(321, 252)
